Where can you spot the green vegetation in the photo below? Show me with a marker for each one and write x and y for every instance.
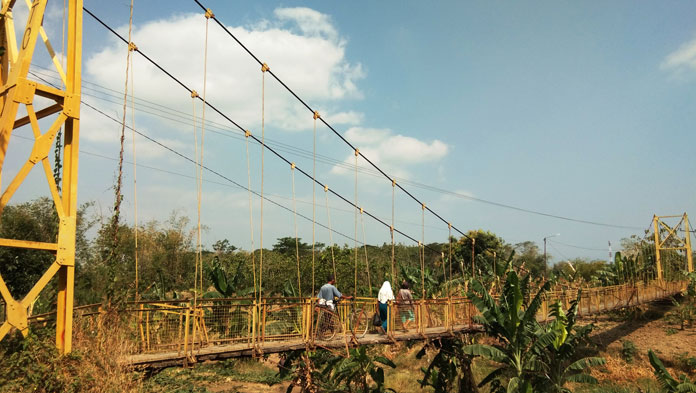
(669, 384)
(520, 354)
(324, 371)
(532, 357)
(628, 351)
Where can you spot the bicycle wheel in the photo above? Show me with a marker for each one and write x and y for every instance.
(360, 323)
(327, 325)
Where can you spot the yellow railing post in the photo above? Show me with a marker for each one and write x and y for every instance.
(254, 323)
(186, 331)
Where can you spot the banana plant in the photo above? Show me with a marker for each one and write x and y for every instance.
(556, 350)
(512, 321)
(224, 285)
(667, 382)
(450, 369)
(351, 373)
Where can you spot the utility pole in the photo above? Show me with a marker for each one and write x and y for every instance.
(546, 265)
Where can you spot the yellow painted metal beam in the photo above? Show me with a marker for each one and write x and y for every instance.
(55, 108)
(18, 90)
(689, 252)
(28, 244)
(658, 262)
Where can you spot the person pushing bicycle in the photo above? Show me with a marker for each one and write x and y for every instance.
(328, 292)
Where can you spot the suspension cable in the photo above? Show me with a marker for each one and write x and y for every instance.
(328, 216)
(297, 241)
(264, 68)
(131, 47)
(391, 234)
(260, 141)
(355, 289)
(449, 238)
(314, 194)
(197, 157)
(367, 262)
(251, 214)
(421, 249)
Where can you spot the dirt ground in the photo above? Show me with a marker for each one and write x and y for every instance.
(646, 329)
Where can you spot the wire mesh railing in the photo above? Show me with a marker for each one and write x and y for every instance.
(182, 328)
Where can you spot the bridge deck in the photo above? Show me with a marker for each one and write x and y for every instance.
(220, 352)
(172, 334)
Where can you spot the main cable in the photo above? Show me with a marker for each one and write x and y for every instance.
(211, 106)
(327, 124)
(389, 177)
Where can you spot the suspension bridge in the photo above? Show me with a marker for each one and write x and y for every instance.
(174, 332)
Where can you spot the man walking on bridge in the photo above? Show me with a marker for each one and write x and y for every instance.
(328, 292)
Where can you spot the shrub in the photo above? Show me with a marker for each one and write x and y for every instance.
(628, 351)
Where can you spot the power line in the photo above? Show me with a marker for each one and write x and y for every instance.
(393, 179)
(220, 129)
(578, 247)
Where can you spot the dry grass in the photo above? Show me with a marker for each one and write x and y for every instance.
(102, 340)
(404, 378)
(33, 364)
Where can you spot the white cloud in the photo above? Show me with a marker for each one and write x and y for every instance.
(393, 152)
(312, 23)
(301, 46)
(681, 60)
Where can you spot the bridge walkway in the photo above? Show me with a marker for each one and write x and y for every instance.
(177, 332)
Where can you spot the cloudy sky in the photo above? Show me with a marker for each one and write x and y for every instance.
(497, 115)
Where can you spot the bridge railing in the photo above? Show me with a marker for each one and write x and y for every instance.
(180, 326)
(603, 299)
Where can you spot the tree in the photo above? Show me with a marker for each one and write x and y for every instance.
(530, 258)
(287, 246)
(36, 220)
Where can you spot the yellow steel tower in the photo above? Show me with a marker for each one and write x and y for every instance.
(18, 89)
(672, 240)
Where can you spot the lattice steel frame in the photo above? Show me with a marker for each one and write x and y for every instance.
(18, 89)
(672, 233)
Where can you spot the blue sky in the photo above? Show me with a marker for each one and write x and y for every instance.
(573, 109)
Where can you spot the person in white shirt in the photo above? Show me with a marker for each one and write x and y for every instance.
(384, 296)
